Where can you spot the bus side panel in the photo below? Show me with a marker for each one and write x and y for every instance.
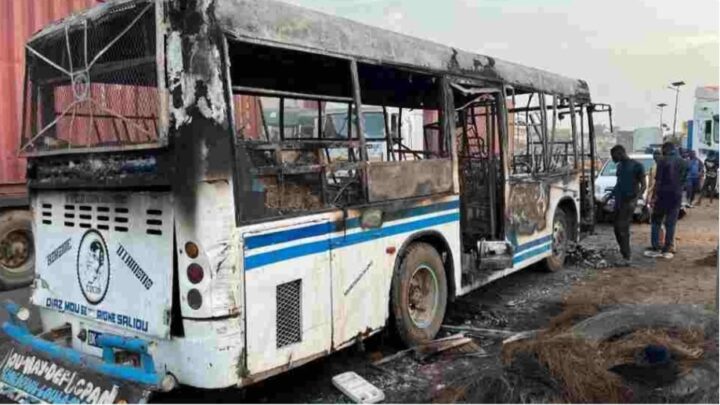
(364, 259)
(531, 211)
(287, 286)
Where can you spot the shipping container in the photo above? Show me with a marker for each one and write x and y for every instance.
(20, 19)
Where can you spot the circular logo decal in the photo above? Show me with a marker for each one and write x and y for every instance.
(93, 267)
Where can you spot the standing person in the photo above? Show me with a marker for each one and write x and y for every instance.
(695, 176)
(711, 172)
(657, 155)
(629, 186)
(667, 197)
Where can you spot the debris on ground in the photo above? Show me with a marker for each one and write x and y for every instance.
(480, 332)
(641, 353)
(455, 344)
(587, 256)
(358, 389)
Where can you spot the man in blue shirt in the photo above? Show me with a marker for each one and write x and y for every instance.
(695, 175)
(669, 180)
(630, 185)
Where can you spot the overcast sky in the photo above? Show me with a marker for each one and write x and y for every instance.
(627, 50)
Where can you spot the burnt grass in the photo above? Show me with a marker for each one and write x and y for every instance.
(523, 301)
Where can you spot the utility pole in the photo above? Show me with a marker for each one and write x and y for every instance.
(676, 86)
(661, 106)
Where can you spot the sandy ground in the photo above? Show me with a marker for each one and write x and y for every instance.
(688, 278)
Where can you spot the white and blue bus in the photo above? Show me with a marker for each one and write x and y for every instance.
(182, 240)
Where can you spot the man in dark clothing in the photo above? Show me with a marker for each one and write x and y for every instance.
(629, 186)
(711, 172)
(669, 180)
(695, 176)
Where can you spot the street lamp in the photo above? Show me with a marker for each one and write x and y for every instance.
(661, 106)
(676, 86)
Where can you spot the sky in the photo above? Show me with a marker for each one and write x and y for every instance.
(628, 51)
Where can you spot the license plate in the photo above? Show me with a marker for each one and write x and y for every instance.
(31, 377)
(93, 338)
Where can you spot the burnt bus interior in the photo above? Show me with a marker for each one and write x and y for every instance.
(291, 125)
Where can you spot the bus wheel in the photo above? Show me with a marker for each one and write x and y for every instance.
(560, 242)
(419, 294)
(17, 253)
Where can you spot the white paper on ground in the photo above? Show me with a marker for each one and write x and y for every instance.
(357, 388)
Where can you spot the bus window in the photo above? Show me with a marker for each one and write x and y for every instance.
(94, 87)
(708, 132)
(411, 104)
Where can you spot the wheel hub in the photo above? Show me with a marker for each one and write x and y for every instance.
(423, 296)
(15, 249)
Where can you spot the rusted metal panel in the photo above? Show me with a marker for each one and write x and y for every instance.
(393, 180)
(283, 23)
(20, 19)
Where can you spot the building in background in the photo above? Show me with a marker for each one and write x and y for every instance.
(703, 129)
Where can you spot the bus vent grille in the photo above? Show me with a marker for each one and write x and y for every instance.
(289, 313)
(47, 214)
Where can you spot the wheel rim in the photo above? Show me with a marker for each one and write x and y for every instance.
(15, 250)
(423, 296)
(559, 240)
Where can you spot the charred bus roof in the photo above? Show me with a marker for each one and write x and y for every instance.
(273, 22)
(282, 24)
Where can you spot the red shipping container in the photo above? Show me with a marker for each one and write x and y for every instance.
(21, 18)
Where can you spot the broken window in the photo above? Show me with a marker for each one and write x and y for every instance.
(405, 108)
(295, 140)
(543, 135)
(93, 83)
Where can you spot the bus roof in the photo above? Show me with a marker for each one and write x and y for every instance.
(277, 23)
(280, 24)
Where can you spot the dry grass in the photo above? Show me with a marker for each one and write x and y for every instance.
(582, 367)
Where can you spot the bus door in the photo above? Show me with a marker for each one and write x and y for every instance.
(288, 311)
(481, 175)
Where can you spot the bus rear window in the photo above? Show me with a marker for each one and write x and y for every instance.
(92, 82)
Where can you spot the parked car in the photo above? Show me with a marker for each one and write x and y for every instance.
(605, 182)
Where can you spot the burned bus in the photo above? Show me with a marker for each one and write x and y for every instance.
(202, 218)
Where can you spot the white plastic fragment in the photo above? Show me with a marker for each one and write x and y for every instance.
(357, 388)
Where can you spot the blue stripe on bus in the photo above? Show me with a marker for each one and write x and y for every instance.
(533, 243)
(263, 259)
(530, 253)
(268, 239)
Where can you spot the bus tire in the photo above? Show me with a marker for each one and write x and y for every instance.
(418, 284)
(560, 241)
(17, 253)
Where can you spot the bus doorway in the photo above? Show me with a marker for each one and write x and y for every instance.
(481, 174)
